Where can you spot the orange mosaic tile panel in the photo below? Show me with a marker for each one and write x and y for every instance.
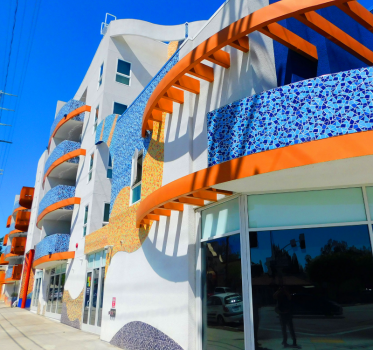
(72, 309)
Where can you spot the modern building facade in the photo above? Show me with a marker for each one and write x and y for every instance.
(214, 192)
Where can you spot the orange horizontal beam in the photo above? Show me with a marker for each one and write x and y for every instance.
(55, 206)
(220, 58)
(64, 158)
(162, 212)
(322, 26)
(359, 13)
(53, 257)
(156, 116)
(71, 115)
(255, 21)
(205, 195)
(291, 40)
(190, 201)
(202, 71)
(314, 152)
(164, 105)
(188, 84)
(175, 95)
(173, 206)
(241, 44)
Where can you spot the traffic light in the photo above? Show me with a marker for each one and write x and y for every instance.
(302, 241)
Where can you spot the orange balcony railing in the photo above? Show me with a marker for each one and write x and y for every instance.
(22, 220)
(9, 221)
(18, 245)
(2, 260)
(2, 277)
(26, 196)
(14, 275)
(5, 240)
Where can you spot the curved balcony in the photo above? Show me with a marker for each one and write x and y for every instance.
(63, 161)
(69, 120)
(13, 230)
(52, 249)
(13, 274)
(57, 204)
(2, 260)
(9, 221)
(26, 197)
(5, 240)
(22, 221)
(16, 249)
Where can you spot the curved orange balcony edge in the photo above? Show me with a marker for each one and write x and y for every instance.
(269, 14)
(18, 209)
(14, 232)
(325, 150)
(71, 115)
(58, 205)
(53, 257)
(64, 158)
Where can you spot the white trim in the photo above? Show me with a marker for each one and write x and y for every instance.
(199, 310)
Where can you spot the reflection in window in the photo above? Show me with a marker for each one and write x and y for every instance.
(222, 294)
(312, 287)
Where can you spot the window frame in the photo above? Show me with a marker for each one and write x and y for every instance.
(95, 118)
(123, 75)
(100, 75)
(104, 223)
(109, 167)
(90, 167)
(133, 186)
(85, 223)
(114, 102)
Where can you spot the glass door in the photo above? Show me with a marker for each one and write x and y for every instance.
(55, 291)
(94, 292)
(36, 293)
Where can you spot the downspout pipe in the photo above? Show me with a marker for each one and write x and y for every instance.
(29, 260)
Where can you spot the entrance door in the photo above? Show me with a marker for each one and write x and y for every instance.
(36, 293)
(94, 292)
(55, 291)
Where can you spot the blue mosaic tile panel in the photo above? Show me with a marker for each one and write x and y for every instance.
(7, 250)
(63, 148)
(55, 195)
(127, 133)
(108, 124)
(142, 336)
(66, 109)
(314, 109)
(9, 271)
(56, 243)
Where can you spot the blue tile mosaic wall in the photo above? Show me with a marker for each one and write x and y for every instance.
(314, 109)
(63, 148)
(55, 195)
(56, 243)
(142, 336)
(107, 128)
(127, 133)
(7, 250)
(9, 271)
(66, 109)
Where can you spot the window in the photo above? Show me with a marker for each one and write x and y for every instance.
(90, 167)
(85, 220)
(109, 173)
(123, 75)
(97, 111)
(100, 75)
(119, 108)
(136, 176)
(106, 214)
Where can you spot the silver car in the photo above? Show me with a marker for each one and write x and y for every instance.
(225, 308)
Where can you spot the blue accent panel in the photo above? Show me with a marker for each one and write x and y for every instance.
(28, 302)
(108, 124)
(7, 250)
(12, 226)
(292, 67)
(139, 335)
(67, 108)
(56, 243)
(127, 133)
(9, 271)
(55, 195)
(327, 106)
(63, 148)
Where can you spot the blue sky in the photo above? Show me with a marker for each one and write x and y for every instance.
(54, 43)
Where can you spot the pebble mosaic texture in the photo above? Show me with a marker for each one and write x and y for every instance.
(55, 195)
(66, 109)
(63, 148)
(142, 336)
(71, 313)
(56, 243)
(314, 109)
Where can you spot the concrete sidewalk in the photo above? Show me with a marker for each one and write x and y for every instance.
(21, 329)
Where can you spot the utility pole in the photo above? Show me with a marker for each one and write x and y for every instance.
(1, 124)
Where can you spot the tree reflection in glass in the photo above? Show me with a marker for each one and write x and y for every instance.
(317, 282)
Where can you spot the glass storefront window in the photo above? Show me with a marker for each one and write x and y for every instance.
(87, 296)
(55, 289)
(312, 288)
(222, 294)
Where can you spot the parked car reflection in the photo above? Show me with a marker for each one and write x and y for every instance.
(225, 308)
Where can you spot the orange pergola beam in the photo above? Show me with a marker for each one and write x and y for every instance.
(314, 152)
(322, 26)
(359, 13)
